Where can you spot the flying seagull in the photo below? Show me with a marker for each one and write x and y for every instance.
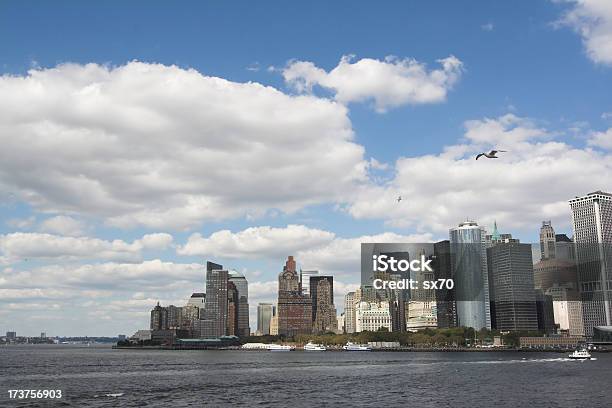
(491, 154)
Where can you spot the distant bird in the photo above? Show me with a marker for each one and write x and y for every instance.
(491, 155)
(399, 199)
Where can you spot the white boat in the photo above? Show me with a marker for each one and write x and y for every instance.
(314, 347)
(356, 347)
(278, 347)
(580, 355)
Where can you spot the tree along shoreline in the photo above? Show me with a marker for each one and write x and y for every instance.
(459, 337)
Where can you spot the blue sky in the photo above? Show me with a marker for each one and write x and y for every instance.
(531, 77)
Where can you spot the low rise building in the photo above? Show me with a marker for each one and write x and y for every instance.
(371, 316)
(551, 342)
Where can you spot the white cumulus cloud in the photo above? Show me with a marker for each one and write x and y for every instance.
(20, 246)
(256, 242)
(602, 139)
(389, 83)
(531, 182)
(592, 20)
(63, 225)
(166, 147)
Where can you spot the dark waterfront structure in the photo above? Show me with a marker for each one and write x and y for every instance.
(167, 337)
(512, 295)
(602, 334)
(592, 222)
(214, 323)
(294, 308)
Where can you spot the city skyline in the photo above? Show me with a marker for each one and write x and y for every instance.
(133, 153)
(546, 253)
(557, 283)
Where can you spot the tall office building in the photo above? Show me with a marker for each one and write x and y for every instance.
(349, 312)
(496, 237)
(305, 281)
(159, 318)
(294, 308)
(232, 310)
(242, 286)
(274, 325)
(592, 222)
(421, 307)
(510, 269)
(469, 269)
(314, 296)
(214, 323)
(445, 298)
(197, 299)
(265, 312)
(325, 319)
(341, 324)
(175, 317)
(398, 299)
(555, 246)
(547, 241)
(191, 320)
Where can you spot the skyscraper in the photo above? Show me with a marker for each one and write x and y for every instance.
(305, 280)
(294, 308)
(325, 313)
(592, 222)
(398, 299)
(445, 298)
(265, 312)
(547, 241)
(232, 310)
(242, 286)
(421, 307)
(469, 269)
(314, 285)
(215, 313)
(349, 312)
(510, 269)
(159, 318)
(175, 317)
(197, 299)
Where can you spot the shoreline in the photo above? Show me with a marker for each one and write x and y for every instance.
(395, 350)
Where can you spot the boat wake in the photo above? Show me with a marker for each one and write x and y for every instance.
(113, 395)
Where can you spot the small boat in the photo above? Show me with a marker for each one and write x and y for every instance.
(580, 355)
(356, 347)
(278, 347)
(314, 347)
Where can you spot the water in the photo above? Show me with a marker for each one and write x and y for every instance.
(87, 375)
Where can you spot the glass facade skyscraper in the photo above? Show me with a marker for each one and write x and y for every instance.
(469, 270)
(214, 324)
(242, 286)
